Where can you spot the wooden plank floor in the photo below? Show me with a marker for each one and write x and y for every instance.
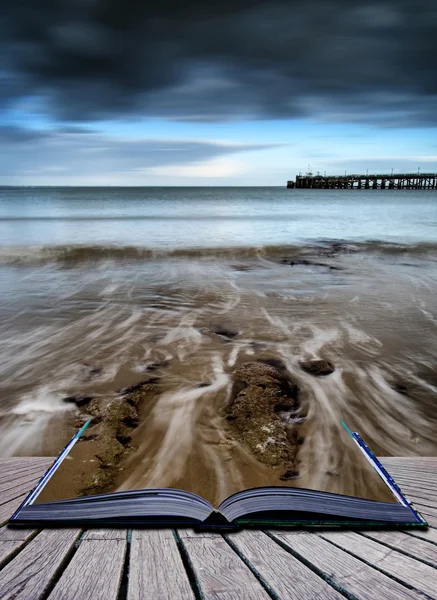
(67, 564)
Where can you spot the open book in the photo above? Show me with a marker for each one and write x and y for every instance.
(270, 506)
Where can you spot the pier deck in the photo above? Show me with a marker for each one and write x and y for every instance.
(403, 181)
(169, 564)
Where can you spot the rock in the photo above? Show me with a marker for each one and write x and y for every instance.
(203, 384)
(79, 401)
(138, 386)
(309, 263)
(401, 388)
(257, 373)
(276, 363)
(318, 367)
(258, 345)
(157, 365)
(226, 332)
(288, 475)
(259, 392)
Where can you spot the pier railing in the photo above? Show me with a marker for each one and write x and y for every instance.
(381, 181)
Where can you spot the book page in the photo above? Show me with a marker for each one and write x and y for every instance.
(253, 431)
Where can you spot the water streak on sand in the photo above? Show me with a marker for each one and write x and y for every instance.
(111, 325)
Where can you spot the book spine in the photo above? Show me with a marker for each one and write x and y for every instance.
(50, 471)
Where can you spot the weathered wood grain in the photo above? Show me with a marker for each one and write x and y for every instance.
(429, 534)
(28, 575)
(408, 570)
(18, 490)
(11, 472)
(413, 495)
(413, 475)
(430, 519)
(281, 571)
(156, 569)
(429, 484)
(191, 533)
(399, 540)
(106, 534)
(345, 571)
(23, 460)
(12, 540)
(407, 460)
(423, 508)
(95, 571)
(20, 485)
(8, 534)
(13, 478)
(8, 509)
(221, 573)
(20, 466)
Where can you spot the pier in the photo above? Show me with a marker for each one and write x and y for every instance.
(403, 181)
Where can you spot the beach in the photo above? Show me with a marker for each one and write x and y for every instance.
(161, 296)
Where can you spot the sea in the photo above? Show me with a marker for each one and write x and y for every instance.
(99, 285)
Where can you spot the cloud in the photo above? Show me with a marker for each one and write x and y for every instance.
(342, 60)
(75, 156)
(214, 168)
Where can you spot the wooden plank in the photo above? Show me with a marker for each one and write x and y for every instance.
(423, 470)
(19, 461)
(29, 575)
(12, 471)
(220, 572)
(342, 569)
(424, 481)
(8, 534)
(413, 475)
(22, 488)
(106, 534)
(405, 543)
(281, 571)
(11, 540)
(14, 478)
(429, 534)
(30, 481)
(425, 509)
(156, 569)
(191, 533)
(95, 571)
(8, 509)
(423, 492)
(432, 521)
(413, 488)
(413, 471)
(27, 465)
(408, 570)
(408, 460)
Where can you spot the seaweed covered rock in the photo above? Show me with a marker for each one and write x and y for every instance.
(108, 438)
(317, 367)
(260, 392)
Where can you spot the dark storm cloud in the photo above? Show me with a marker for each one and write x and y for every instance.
(338, 60)
(78, 153)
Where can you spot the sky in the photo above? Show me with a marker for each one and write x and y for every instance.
(126, 92)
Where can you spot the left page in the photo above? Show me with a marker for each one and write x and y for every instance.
(258, 437)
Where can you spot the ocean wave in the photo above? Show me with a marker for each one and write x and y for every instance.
(71, 254)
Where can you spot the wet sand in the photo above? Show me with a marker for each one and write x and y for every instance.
(371, 317)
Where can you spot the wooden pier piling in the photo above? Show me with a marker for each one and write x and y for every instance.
(409, 181)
